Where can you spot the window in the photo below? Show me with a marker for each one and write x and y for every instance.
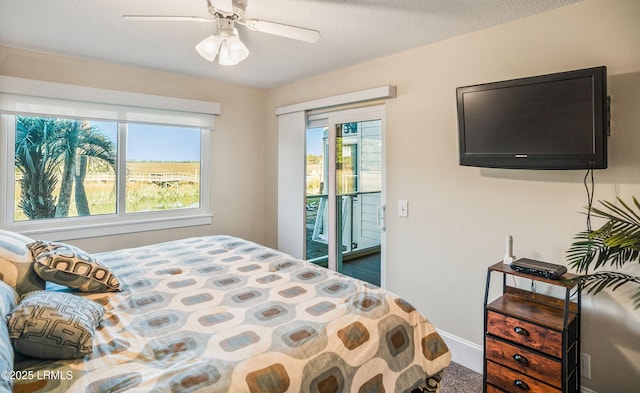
(79, 169)
(163, 168)
(63, 167)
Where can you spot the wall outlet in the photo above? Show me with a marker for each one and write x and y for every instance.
(585, 365)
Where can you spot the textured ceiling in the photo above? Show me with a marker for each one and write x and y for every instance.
(353, 31)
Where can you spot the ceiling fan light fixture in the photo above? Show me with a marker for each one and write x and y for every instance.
(225, 45)
(234, 49)
(209, 47)
(224, 58)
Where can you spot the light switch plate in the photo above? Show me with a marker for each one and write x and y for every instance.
(403, 208)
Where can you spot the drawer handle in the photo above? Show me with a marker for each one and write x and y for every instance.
(521, 359)
(521, 384)
(521, 331)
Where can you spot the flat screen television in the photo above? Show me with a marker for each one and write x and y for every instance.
(555, 121)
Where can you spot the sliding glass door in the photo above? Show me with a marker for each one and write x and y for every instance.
(344, 189)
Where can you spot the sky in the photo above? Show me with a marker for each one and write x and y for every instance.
(159, 143)
(314, 140)
(156, 143)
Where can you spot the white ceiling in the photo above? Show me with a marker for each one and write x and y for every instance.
(353, 31)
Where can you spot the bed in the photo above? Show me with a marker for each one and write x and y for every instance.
(223, 314)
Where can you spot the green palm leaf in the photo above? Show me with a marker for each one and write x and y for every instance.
(614, 244)
(46, 150)
(599, 281)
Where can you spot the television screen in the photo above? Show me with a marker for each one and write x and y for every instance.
(556, 121)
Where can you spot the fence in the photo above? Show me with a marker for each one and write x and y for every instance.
(157, 178)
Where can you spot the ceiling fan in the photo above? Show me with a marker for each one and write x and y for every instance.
(225, 42)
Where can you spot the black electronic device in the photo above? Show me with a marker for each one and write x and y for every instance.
(554, 121)
(538, 268)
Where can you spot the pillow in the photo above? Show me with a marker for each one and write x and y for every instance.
(54, 325)
(70, 266)
(6, 358)
(8, 300)
(16, 263)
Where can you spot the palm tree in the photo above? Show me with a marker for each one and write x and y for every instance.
(614, 244)
(44, 148)
(79, 142)
(36, 161)
(82, 203)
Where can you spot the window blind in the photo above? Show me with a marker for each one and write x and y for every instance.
(25, 96)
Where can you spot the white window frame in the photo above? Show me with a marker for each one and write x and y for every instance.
(37, 98)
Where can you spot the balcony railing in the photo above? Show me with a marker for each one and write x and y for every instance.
(358, 223)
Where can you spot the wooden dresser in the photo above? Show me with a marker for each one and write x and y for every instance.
(532, 341)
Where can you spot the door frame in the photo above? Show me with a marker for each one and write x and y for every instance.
(331, 119)
(291, 176)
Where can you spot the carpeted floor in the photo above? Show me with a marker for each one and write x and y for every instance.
(458, 379)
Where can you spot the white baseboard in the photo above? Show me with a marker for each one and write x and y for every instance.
(464, 352)
(471, 355)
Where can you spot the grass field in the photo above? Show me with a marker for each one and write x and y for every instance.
(142, 196)
(164, 167)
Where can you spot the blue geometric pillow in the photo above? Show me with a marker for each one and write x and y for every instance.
(16, 263)
(6, 358)
(8, 300)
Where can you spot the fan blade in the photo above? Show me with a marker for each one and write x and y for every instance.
(279, 29)
(173, 18)
(226, 6)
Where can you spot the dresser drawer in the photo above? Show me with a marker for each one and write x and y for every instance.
(512, 381)
(526, 362)
(528, 334)
(493, 389)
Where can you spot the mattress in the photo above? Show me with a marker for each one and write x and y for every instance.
(222, 314)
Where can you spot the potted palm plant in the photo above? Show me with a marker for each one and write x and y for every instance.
(613, 245)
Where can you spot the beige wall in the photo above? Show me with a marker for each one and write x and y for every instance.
(459, 216)
(437, 257)
(237, 143)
